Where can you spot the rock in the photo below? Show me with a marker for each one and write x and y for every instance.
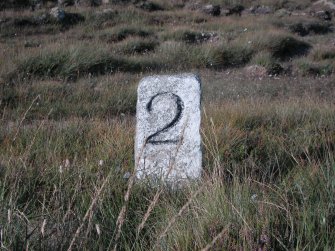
(236, 10)
(256, 71)
(127, 175)
(195, 6)
(149, 6)
(214, 10)
(323, 9)
(323, 15)
(225, 12)
(65, 18)
(192, 37)
(35, 5)
(283, 13)
(261, 10)
(66, 2)
(57, 13)
(43, 19)
(31, 44)
(325, 4)
(168, 142)
(109, 11)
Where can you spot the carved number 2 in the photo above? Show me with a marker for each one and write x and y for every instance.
(174, 121)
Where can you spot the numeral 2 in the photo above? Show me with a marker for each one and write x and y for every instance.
(174, 121)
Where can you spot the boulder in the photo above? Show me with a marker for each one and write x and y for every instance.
(261, 10)
(108, 11)
(57, 13)
(235, 10)
(60, 16)
(35, 5)
(325, 4)
(283, 13)
(66, 2)
(323, 9)
(323, 15)
(210, 9)
(190, 5)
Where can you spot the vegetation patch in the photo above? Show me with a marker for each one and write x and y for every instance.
(105, 18)
(316, 69)
(190, 37)
(323, 54)
(76, 62)
(285, 47)
(122, 33)
(229, 56)
(307, 28)
(139, 46)
(266, 60)
(150, 6)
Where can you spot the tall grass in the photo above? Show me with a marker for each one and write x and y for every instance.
(268, 169)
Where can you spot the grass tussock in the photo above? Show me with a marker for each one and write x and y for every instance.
(316, 68)
(320, 54)
(139, 46)
(308, 28)
(122, 33)
(284, 47)
(229, 56)
(76, 62)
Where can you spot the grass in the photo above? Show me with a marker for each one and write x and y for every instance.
(122, 33)
(81, 61)
(57, 153)
(67, 127)
(139, 46)
(190, 37)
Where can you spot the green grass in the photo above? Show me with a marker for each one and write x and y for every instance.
(81, 61)
(238, 195)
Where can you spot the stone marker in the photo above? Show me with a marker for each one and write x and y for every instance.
(168, 143)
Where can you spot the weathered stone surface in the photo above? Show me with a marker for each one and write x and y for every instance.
(324, 15)
(57, 13)
(168, 142)
(261, 10)
(324, 4)
(60, 16)
(210, 9)
(283, 13)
